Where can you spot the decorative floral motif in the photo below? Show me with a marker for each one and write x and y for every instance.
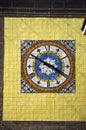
(45, 69)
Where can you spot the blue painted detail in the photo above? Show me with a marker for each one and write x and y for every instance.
(44, 75)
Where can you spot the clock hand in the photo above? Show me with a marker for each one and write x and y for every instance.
(50, 66)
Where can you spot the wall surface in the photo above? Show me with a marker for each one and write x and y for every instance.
(42, 107)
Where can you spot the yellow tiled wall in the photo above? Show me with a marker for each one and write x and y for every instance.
(42, 106)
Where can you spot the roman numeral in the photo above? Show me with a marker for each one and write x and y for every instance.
(47, 47)
(32, 75)
(48, 84)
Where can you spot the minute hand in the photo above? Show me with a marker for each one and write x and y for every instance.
(50, 66)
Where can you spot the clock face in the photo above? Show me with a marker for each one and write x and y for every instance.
(48, 66)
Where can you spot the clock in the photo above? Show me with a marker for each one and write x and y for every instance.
(48, 66)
